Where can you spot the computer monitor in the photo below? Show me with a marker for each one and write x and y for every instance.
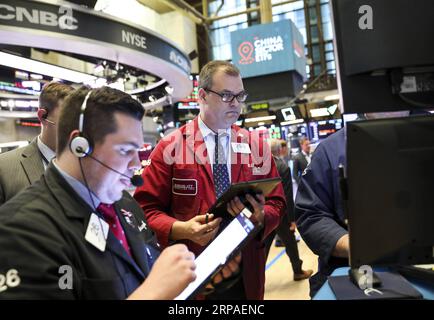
(384, 54)
(390, 181)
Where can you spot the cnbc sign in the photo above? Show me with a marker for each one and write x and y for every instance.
(268, 48)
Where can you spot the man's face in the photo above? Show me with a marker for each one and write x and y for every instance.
(119, 151)
(215, 112)
(306, 146)
(284, 151)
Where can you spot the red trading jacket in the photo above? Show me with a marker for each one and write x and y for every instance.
(178, 185)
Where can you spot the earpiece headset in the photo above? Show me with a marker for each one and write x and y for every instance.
(80, 145)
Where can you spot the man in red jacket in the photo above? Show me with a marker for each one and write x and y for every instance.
(193, 166)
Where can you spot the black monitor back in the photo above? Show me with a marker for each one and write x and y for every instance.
(371, 62)
(390, 171)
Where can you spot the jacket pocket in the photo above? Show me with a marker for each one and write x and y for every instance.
(185, 193)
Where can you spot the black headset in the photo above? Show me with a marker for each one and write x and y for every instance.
(80, 146)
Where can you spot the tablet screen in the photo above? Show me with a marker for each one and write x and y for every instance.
(219, 250)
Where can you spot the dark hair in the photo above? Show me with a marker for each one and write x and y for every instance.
(208, 71)
(51, 95)
(99, 120)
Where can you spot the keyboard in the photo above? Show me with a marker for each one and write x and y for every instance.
(424, 272)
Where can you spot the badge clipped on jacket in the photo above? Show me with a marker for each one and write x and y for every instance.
(97, 232)
(241, 147)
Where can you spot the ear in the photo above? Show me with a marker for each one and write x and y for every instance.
(42, 114)
(73, 134)
(202, 95)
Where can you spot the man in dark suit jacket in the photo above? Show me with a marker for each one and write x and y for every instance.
(286, 228)
(302, 159)
(24, 166)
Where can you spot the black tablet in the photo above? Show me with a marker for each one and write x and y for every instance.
(221, 250)
(264, 186)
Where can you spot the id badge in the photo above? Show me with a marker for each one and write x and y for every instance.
(97, 231)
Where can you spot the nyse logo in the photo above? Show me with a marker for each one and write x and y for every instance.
(134, 39)
(366, 21)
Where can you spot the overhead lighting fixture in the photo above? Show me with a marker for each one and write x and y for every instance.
(287, 123)
(50, 70)
(332, 109)
(21, 75)
(35, 85)
(169, 89)
(331, 97)
(34, 76)
(324, 112)
(155, 84)
(321, 112)
(260, 119)
(99, 68)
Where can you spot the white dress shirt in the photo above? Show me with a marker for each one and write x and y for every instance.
(209, 139)
(47, 153)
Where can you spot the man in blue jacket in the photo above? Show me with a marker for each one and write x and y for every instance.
(318, 209)
(318, 206)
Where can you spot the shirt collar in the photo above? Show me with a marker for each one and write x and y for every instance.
(79, 188)
(45, 150)
(206, 131)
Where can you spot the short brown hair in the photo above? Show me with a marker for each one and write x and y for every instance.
(303, 139)
(275, 147)
(211, 68)
(51, 95)
(99, 120)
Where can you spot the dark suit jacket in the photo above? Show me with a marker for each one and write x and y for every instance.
(43, 228)
(19, 169)
(285, 174)
(300, 163)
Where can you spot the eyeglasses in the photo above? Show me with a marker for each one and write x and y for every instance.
(229, 97)
(50, 122)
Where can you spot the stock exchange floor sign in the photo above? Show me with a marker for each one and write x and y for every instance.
(268, 48)
(63, 26)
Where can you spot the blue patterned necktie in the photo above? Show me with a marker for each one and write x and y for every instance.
(220, 168)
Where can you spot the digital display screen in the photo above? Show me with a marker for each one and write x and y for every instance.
(268, 48)
(218, 252)
(294, 130)
(322, 129)
(191, 102)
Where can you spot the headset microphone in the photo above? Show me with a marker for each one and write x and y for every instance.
(136, 180)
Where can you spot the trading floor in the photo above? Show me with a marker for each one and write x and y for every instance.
(279, 284)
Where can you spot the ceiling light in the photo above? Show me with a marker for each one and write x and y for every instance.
(260, 119)
(286, 123)
(169, 89)
(50, 70)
